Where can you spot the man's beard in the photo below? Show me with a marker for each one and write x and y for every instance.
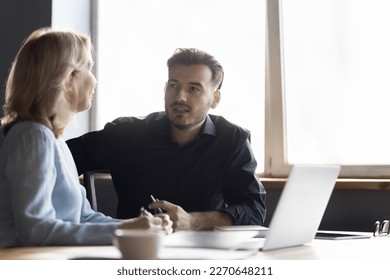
(183, 126)
(187, 126)
(198, 118)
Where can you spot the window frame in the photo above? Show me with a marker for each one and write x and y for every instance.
(276, 163)
(93, 112)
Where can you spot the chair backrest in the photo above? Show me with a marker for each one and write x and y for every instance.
(1, 137)
(101, 192)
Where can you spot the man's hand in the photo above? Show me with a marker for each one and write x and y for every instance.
(180, 218)
(183, 220)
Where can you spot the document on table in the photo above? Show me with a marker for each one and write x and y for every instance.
(261, 231)
(208, 239)
(181, 253)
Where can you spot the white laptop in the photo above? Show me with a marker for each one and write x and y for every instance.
(301, 206)
(295, 221)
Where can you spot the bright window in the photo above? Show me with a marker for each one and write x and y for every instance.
(330, 93)
(336, 58)
(326, 72)
(135, 39)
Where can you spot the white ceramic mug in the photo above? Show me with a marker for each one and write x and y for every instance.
(135, 244)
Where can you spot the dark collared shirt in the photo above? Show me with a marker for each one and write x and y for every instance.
(216, 171)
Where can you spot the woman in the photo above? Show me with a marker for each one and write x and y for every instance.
(41, 199)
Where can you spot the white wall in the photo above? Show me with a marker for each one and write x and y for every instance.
(73, 15)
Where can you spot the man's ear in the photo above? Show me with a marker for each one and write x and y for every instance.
(216, 99)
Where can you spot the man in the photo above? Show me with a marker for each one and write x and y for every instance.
(200, 166)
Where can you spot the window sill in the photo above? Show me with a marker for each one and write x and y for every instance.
(341, 184)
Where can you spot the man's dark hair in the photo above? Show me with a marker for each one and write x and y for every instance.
(193, 56)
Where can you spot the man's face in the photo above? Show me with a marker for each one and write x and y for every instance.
(189, 94)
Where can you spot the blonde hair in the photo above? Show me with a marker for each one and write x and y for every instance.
(40, 85)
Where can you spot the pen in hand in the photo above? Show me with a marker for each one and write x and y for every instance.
(154, 200)
(144, 213)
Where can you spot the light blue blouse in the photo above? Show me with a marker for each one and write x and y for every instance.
(41, 199)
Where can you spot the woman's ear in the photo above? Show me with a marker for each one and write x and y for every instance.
(216, 99)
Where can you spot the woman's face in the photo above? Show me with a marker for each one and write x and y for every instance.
(85, 83)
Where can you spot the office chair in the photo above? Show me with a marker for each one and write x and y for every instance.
(101, 193)
(1, 137)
